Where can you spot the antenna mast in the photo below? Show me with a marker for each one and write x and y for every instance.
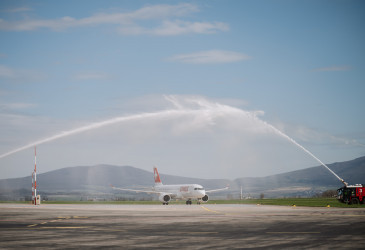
(35, 175)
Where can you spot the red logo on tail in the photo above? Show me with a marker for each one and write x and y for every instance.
(156, 175)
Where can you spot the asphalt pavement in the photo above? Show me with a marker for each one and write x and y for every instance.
(180, 227)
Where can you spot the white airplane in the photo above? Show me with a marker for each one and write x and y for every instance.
(186, 192)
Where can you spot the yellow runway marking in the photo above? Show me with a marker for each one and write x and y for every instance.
(354, 215)
(58, 220)
(110, 230)
(198, 232)
(60, 227)
(293, 232)
(209, 210)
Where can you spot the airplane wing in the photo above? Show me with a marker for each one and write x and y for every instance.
(216, 190)
(138, 190)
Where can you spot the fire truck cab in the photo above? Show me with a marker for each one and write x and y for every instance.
(352, 194)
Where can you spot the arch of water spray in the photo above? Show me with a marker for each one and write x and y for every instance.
(201, 108)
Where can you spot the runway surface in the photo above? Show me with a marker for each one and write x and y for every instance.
(180, 226)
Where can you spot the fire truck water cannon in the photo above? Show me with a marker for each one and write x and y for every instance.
(352, 194)
(349, 194)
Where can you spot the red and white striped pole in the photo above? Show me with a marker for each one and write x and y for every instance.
(35, 175)
(33, 186)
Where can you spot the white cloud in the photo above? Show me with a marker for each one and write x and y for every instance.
(18, 9)
(210, 56)
(177, 27)
(180, 27)
(130, 23)
(163, 11)
(16, 106)
(20, 75)
(332, 68)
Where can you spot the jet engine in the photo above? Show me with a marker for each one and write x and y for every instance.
(205, 198)
(164, 198)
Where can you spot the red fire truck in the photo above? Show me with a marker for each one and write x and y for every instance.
(352, 194)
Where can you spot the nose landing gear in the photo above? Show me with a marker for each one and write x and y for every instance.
(188, 202)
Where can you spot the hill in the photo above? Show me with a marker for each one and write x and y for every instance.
(91, 181)
(306, 182)
(95, 180)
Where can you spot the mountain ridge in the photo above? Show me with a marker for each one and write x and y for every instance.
(96, 180)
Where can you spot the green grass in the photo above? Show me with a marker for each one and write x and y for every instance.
(305, 202)
(91, 202)
(105, 202)
(16, 202)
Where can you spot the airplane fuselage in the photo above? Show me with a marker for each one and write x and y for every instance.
(186, 192)
(182, 191)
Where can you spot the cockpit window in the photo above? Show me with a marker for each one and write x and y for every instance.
(198, 188)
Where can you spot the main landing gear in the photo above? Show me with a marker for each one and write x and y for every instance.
(189, 202)
(165, 203)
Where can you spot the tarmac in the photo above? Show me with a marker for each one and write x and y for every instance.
(205, 226)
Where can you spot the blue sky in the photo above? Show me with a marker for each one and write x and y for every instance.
(297, 65)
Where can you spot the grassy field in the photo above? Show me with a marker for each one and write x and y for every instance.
(306, 202)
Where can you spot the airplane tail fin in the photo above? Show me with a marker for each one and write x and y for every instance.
(156, 177)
